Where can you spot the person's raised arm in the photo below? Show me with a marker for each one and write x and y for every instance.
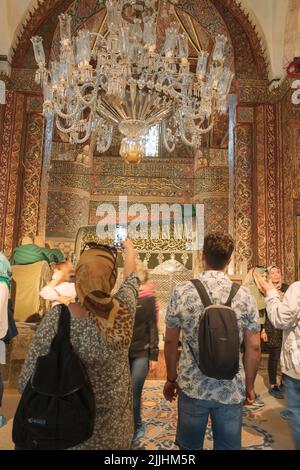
(282, 314)
(130, 258)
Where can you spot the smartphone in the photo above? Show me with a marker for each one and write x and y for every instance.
(120, 236)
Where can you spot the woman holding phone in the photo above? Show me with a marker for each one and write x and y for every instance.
(273, 336)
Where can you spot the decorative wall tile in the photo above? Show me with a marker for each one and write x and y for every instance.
(14, 172)
(243, 194)
(32, 176)
(211, 179)
(260, 190)
(66, 214)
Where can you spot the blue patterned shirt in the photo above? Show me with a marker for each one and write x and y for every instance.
(183, 312)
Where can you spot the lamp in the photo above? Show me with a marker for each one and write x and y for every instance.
(124, 81)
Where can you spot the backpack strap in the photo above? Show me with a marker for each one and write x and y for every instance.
(205, 301)
(63, 329)
(202, 292)
(64, 325)
(234, 290)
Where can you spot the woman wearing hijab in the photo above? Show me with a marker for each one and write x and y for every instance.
(273, 336)
(5, 287)
(250, 281)
(101, 331)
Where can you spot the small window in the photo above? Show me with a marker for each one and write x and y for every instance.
(152, 141)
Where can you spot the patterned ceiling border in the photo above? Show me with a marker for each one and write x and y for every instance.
(254, 30)
(259, 91)
(235, 12)
(243, 34)
(40, 10)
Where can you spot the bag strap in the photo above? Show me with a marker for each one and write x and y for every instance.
(202, 292)
(193, 354)
(64, 328)
(234, 290)
(64, 325)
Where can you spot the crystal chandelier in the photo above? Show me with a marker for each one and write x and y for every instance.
(121, 80)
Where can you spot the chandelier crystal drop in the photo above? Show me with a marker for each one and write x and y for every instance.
(121, 80)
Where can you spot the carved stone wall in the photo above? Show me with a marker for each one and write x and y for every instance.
(76, 190)
(211, 188)
(161, 179)
(32, 169)
(260, 189)
(243, 194)
(274, 236)
(10, 168)
(291, 185)
(21, 157)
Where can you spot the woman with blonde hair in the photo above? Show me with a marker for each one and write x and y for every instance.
(143, 352)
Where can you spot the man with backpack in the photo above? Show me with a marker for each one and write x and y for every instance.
(215, 316)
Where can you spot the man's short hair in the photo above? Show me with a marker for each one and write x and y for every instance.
(217, 249)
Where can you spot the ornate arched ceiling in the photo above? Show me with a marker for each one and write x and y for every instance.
(199, 37)
(205, 18)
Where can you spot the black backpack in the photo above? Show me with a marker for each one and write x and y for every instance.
(57, 407)
(218, 337)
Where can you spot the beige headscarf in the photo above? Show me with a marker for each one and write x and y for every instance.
(95, 277)
(250, 282)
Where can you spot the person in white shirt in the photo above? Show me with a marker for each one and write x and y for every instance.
(60, 290)
(5, 286)
(285, 316)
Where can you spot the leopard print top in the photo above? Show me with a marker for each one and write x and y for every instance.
(107, 367)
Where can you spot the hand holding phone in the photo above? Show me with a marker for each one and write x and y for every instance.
(263, 285)
(120, 236)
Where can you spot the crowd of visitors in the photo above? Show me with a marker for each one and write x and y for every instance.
(219, 325)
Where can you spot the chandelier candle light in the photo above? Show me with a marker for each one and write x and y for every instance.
(122, 80)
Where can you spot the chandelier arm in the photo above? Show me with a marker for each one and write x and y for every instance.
(63, 129)
(73, 128)
(93, 94)
(88, 130)
(66, 116)
(84, 139)
(158, 116)
(165, 142)
(103, 111)
(145, 107)
(207, 129)
(185, 140)
(166, 78)
(109, 140)
(118, 108)
(195, 117)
